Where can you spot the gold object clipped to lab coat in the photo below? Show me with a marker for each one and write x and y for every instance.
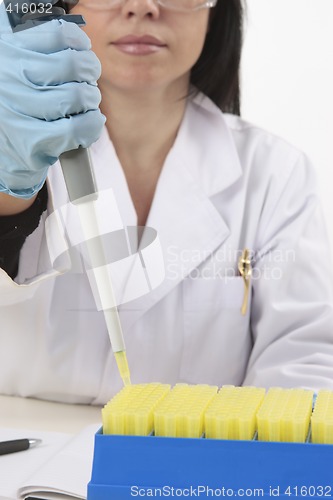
(245, 270)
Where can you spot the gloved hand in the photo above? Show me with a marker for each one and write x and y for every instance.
(48, 100)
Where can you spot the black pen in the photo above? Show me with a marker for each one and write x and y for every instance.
(18, 445)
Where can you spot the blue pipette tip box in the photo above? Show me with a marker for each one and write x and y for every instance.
(125, 467)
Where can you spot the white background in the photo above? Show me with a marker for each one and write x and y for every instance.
(287, 80)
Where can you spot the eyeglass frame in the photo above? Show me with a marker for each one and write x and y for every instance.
(208, 4)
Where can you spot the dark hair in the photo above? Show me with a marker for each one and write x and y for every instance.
(217, 71)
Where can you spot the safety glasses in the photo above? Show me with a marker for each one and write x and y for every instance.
(177, 5)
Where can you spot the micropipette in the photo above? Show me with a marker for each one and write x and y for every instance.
(78, 173)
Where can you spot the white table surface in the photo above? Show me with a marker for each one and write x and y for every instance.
(33, 414)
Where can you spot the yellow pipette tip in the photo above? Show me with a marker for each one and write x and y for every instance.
(123, 368)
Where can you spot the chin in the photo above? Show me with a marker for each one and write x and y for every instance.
(135, 83)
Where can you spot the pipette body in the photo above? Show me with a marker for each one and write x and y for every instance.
(89, 223)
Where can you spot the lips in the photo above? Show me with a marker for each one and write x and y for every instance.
(139, 40)
(139, 45)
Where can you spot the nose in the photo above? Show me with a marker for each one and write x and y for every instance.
(141, 8)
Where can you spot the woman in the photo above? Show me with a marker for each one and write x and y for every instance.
(209, 183)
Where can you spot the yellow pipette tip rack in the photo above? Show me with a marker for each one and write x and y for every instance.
(181, 412)
(322, 418)
(122, 363)
(280, 458)
(232, 413)
(130, 412)
(285, 415)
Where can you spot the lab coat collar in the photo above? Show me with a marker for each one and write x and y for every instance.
(202, 163)
(205, 146)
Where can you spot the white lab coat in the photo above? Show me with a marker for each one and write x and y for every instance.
(225, 185)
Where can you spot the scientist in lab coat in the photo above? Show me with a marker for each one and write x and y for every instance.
(210, 184)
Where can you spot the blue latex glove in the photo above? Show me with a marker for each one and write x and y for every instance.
(48, 100)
